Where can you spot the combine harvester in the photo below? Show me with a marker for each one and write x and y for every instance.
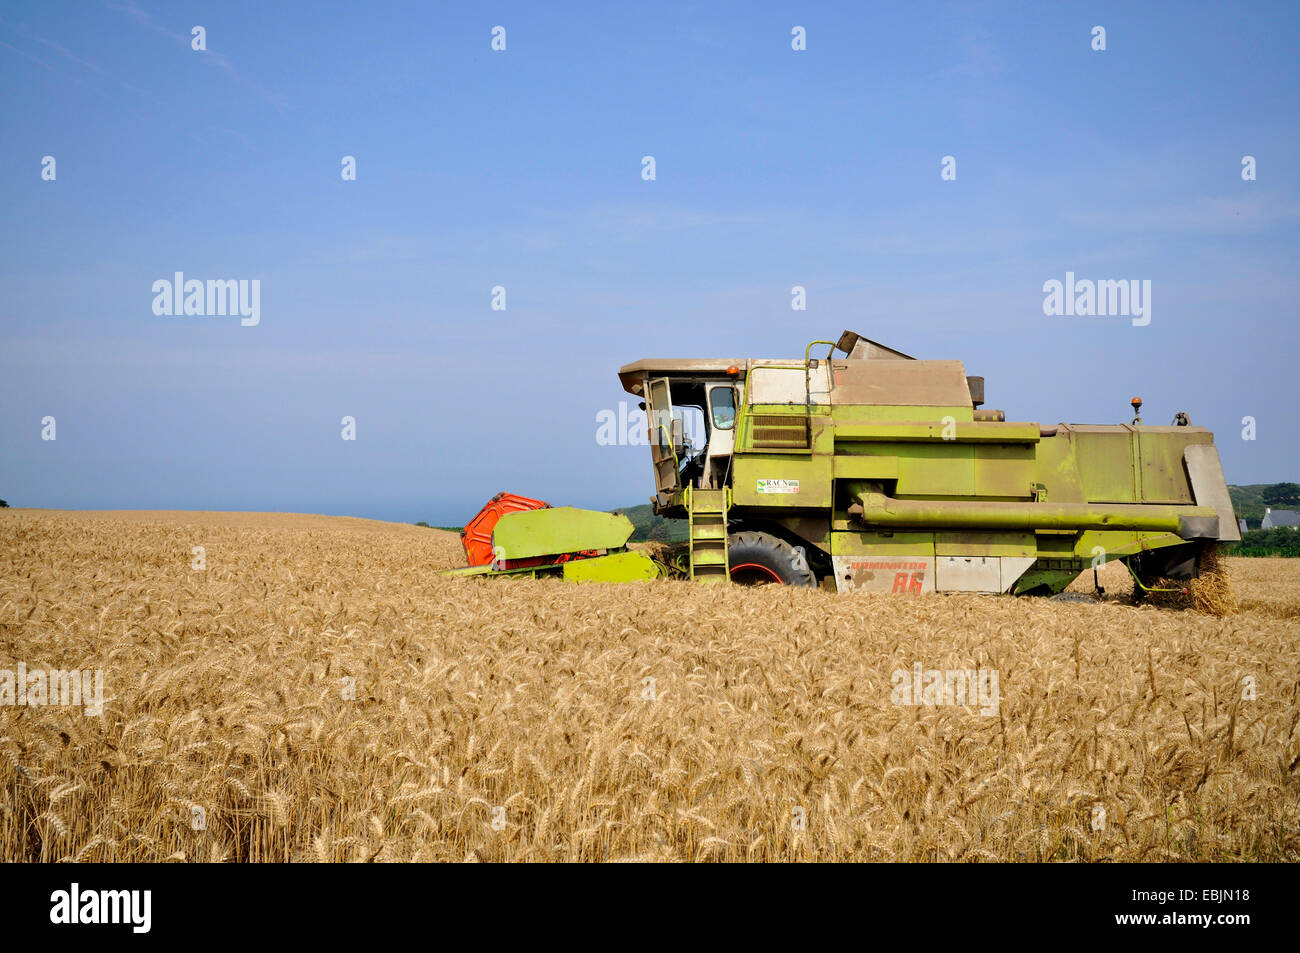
(879, 472)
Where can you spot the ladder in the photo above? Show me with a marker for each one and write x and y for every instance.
(708, 520)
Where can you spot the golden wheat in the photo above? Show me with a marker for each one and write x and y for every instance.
(318, 694)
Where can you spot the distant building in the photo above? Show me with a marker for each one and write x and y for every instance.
(1241, 525)
(1274, 518)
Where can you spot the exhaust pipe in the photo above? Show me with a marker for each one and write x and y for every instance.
(873, 508)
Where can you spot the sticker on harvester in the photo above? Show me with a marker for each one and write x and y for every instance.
(778, 486)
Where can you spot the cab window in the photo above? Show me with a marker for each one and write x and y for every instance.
(723, 403)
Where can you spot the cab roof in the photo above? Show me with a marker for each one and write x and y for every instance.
(631, 375)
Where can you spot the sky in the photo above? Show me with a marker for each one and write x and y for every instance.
(522, 169)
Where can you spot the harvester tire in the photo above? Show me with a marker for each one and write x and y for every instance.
(757, 558)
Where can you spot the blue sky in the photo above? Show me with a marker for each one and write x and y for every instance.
(522, 169)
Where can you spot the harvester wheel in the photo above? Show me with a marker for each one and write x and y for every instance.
(761, 557)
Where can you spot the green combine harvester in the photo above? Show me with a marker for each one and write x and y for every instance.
(870, 470)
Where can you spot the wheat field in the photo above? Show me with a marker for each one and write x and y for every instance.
(316, 693)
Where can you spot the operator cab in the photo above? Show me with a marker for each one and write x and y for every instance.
(704, 411)
(690, 408)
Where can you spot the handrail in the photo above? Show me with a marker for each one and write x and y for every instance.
(807, 378)
(677, 467)
(807, 352)
(807, 384)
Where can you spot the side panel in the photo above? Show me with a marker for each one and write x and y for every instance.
(561, 529)
(883, 562)
(855, 543)
(616, 567)
(905, 575)
(1163, 478)
(984, 544)
(1005, 471)
(939, 469)
(1124, 463)
(1013, 567)
(968, 573)
(787, 385)
(917, 383)
(1206, 474)
(775, 479)
(918, 573)
(1055, 469)
(1105, 460)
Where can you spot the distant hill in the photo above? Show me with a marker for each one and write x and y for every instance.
(648, 526)
(1249, 504)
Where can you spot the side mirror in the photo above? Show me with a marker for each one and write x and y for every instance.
(679, 440)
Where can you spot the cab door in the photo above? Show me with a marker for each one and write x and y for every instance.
(722, 434)
(663, 436)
